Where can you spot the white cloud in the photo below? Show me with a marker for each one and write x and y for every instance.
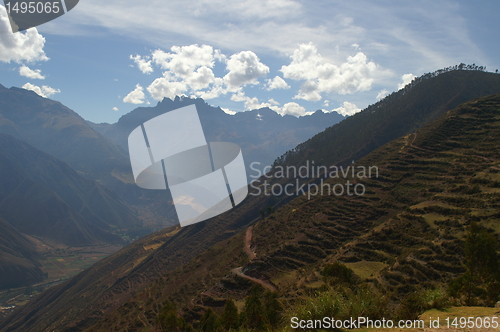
(187, 69)
(136, 96)
(215, 90)
(162, 87)
(18, 46)
(382, 94)
(277, 83)
(416, 36)
(228, 111)
(33, 74)
(184, 60)
(347, 109)
(273, 102)
(200, 79)
(144, 64)
(252, 103)
(292, 109)
(44, 91)
(407, 78)
(357, 74)
(115, 109)
(244, 68)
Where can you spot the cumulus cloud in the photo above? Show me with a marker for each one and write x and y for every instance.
(19, 47)
(277, 83)
(44, 91)
(136, 96)
(228, 111)
(30, 73)
(252, 103)
(357, 74)
(183, 60)
(162, 87)
(382, 94)
(292, 109)
(144, 64)
(115, 109)
(406, 78)
(347, 109)
(188, 70)
(244, 68)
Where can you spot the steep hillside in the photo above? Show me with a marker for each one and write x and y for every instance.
(398, 114)
(284, 241)
(405, 234)
(55, 129)
(42, 196)
(18, 259)
(262, 134)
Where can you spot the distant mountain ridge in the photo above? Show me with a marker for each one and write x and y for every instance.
(262, 134)
(55, 129)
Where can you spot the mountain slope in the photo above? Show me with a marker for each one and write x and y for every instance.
(406, 233)
(148, 260)
(261, 134)
(396, 115)
(42, 196)
(55, 129)
(18, 259)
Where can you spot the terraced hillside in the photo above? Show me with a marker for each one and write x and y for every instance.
(405, 234)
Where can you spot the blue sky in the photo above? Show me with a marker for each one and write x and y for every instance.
(103, 59)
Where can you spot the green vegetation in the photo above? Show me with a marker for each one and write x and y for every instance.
(169, 321)
(480, 284)
(339, 273)
(266, 212)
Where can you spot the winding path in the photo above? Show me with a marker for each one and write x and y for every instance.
(251, 256)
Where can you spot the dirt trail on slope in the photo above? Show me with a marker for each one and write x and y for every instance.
(248, 244)
(239, 272)
(251, 256)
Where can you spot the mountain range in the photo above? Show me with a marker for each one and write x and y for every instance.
(438, 169)
(262, 134)
(64, 182)
(102, 154)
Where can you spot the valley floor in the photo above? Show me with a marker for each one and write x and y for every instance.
(59, 264)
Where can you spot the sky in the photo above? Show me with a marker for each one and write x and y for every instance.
(105, 58)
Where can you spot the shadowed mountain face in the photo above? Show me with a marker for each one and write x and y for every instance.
(18, 259)
(55, 129)
(262, 134)
(42, 196)
(391, 220)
